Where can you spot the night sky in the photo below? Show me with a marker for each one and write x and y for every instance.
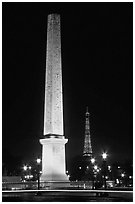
(97, 55)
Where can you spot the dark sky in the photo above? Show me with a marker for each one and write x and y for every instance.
(97, 72)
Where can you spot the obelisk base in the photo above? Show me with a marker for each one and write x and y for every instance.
(53, 160)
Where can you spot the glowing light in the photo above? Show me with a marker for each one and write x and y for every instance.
(118, 167)
(87, 167)
(122, 175)
(38, 161)
(25, 168)
(95, 167)
(111, 185)
(29, 167)
(92, 160)
(130, 177)
(80, 167)
(117, 181)
(109, 167)
(104, 155)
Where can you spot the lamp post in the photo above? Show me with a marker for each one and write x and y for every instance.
(92, 162)
(38, 163)
(104, 156)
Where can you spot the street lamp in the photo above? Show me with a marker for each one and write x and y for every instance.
(95, 167)
(29, 167)
(38, 163)
(25, 168)
(122, 175)
(104, 156)
(92, 160)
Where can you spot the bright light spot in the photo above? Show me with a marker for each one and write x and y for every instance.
(130, 177)
(104, 155)
(27, 176)
(67, 172)
(29, 167)
(117, 181)
(109, 167)
(92, 160)
(80, 167)
(25, 168)
(111, 185)
(87, 167)
(106, 177)
(97, 170)
(95, 167)
(122, 175)
(38, 161)
(118, 167)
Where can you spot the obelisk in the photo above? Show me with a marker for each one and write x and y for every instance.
(53, 143)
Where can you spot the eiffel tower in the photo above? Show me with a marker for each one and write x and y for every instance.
(87, 151)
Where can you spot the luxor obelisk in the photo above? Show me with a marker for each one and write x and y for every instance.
(53, 143)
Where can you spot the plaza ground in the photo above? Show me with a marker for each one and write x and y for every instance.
(67, 196)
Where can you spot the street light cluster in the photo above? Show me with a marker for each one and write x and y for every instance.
(25, 167)
(27, 170)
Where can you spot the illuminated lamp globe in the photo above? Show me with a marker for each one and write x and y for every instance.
(38, 161)
(92, 160)
(104, 155)
(25, 168)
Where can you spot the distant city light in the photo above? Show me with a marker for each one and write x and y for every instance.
(92, 160)
(117, 181)
(38, 161)
(122, 175)
(95, 167)
(104, 155)
(109, 167)
(25, 168)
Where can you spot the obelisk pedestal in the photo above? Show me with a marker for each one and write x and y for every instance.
(53, 156)
(53, 143)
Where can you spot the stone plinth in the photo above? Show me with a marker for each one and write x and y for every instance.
(53, 159)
